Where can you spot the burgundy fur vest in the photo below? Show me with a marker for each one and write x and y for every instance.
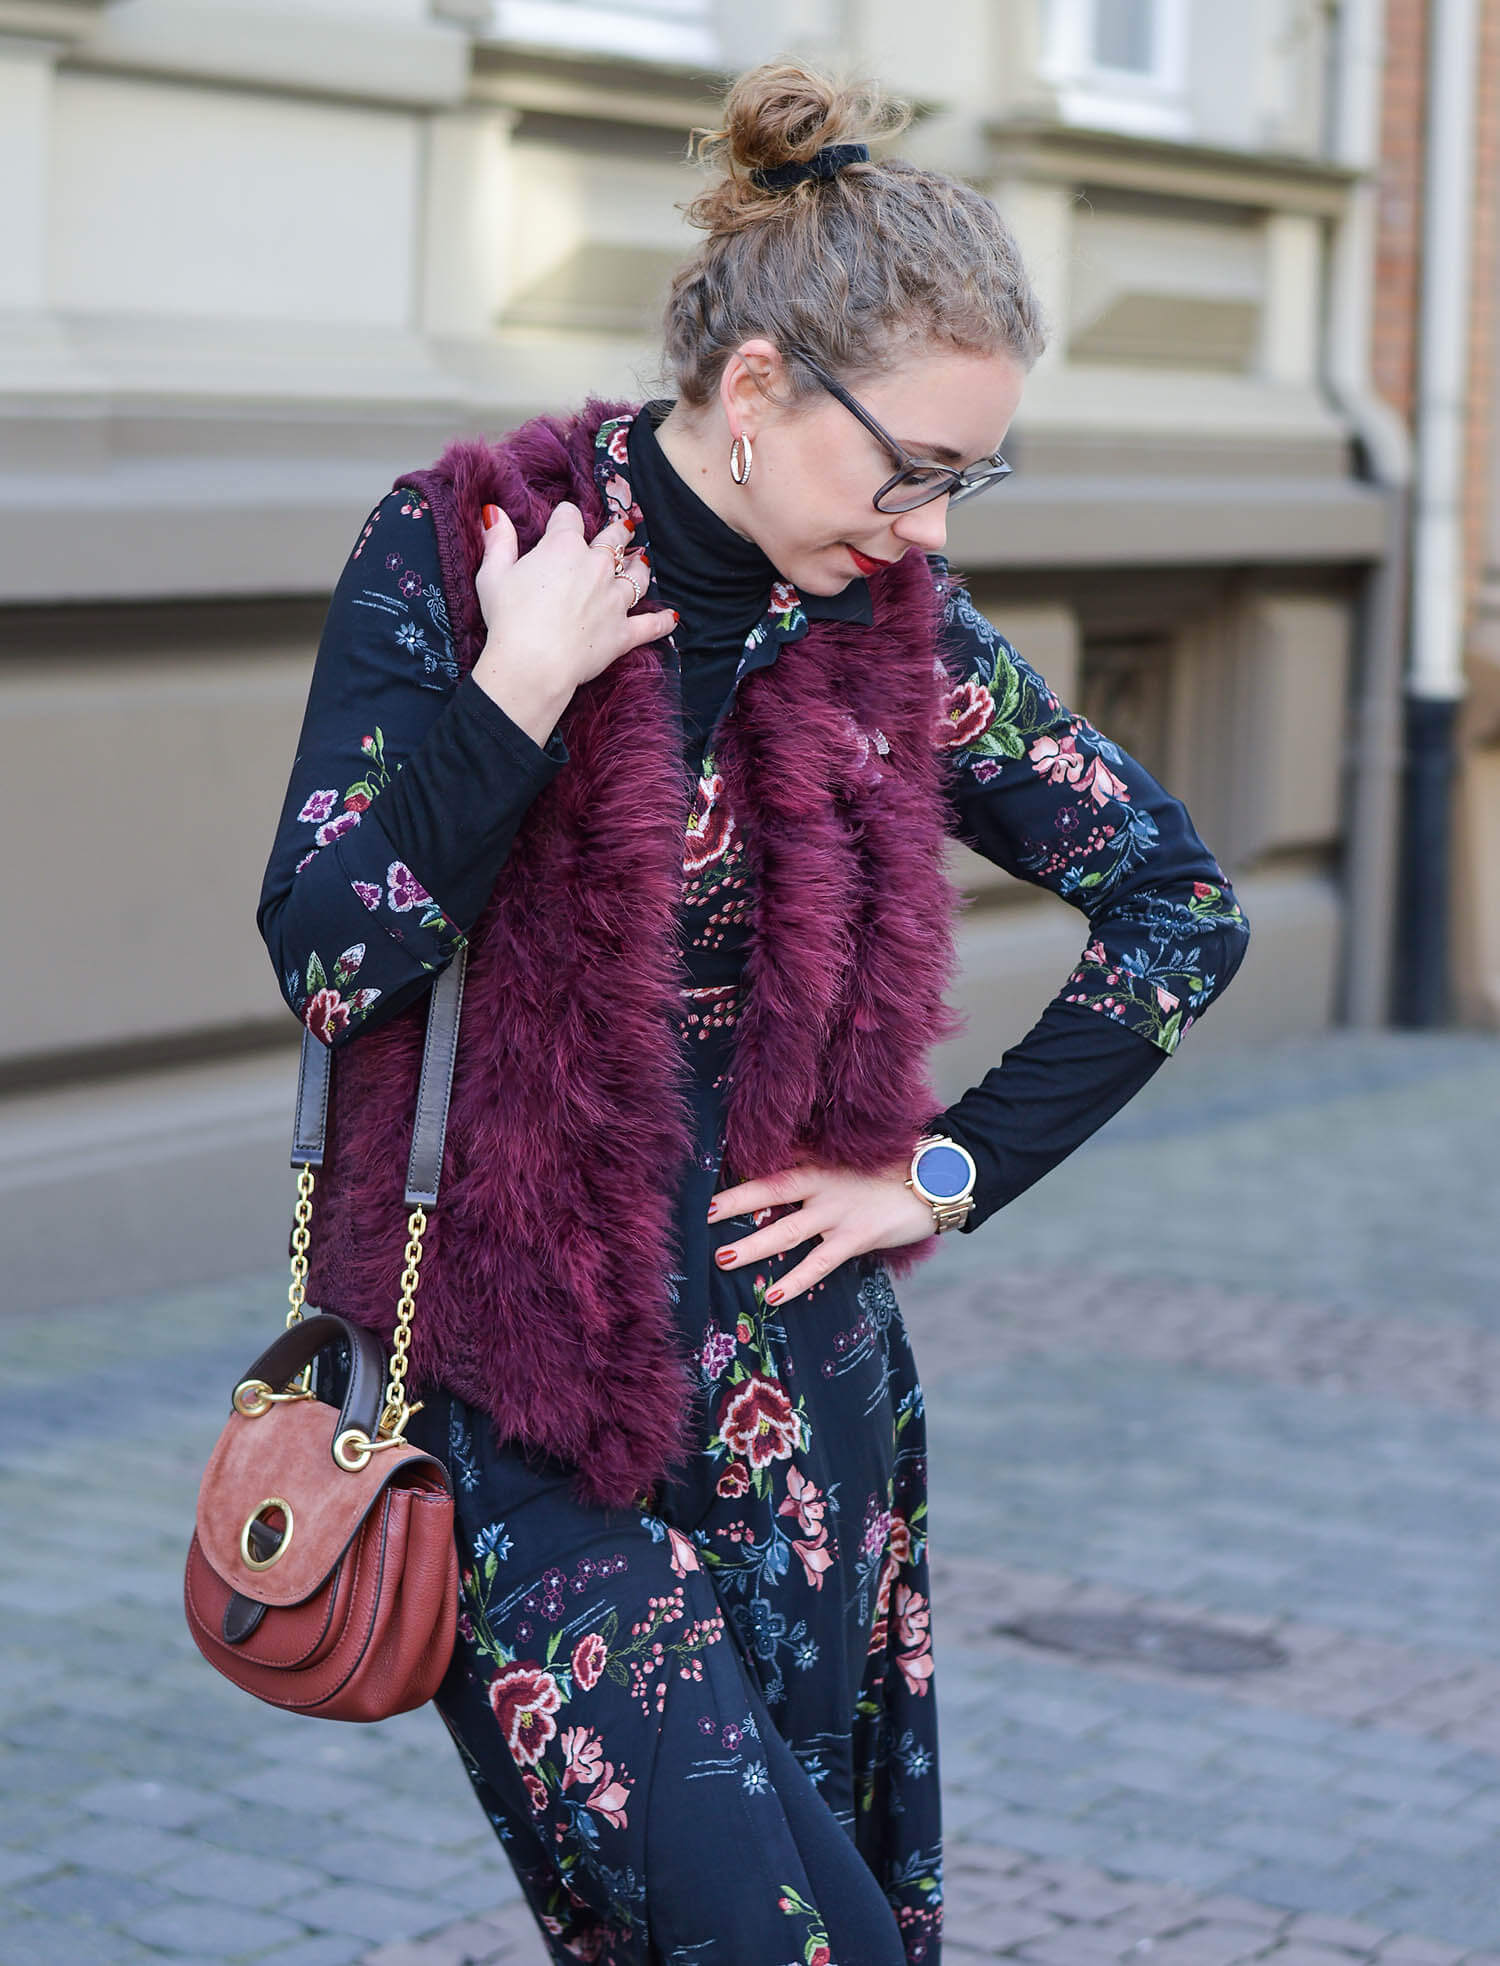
(543, 1296)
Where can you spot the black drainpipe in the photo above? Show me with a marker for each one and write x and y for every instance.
(1421, 993)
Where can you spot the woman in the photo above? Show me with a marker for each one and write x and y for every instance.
(666, 714)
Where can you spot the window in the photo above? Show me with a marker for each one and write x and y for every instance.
(1119, 64)
(1124, 35)
(676, 31)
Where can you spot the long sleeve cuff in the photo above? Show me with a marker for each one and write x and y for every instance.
(1071, 1072)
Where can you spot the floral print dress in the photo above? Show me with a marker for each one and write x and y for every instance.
(707, 1731)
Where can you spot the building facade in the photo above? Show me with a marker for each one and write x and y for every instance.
(263, 257)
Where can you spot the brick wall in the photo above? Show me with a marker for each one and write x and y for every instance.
(1399, 230)
(1399, 244)
(1483, 469)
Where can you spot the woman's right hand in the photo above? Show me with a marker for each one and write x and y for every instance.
(557, 616)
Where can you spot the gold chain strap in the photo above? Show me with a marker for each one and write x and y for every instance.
(301, 1216)
(352, 1449)
(396, 1412)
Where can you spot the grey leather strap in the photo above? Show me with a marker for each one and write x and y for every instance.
(424, 1169)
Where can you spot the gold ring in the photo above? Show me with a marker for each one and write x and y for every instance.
(618, 554)
(636, 592)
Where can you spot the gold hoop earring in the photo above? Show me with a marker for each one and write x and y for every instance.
(741, 458)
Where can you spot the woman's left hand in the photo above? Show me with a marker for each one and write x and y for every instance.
(850, 1213)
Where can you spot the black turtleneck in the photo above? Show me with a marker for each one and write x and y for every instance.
(718, 581)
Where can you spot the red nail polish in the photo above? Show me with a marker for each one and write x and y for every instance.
(490, 516)
(713, 1209)
(773, 1296)
(724, 1257)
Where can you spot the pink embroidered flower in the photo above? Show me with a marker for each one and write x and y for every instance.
(756, 1420)
(968, 711)
(816, 1557)
(804, 1499)
(621, 505)
(710, 827)
(734, 1481)
(784, 597)
(900, 1539)
(403, 890)
(1165, 998)
(410, 584)
(318, 806)
(304, 861)
(915, 1669)
(357, 802)
(1059, 762)
(718, 1351)
(877, 1532)
(325, 1014)
(1201, 889)
(912, 1616)
(536, 1790)
(611, 1797)
(336, 828)
(1102, 784)
(684, 1554)
(368, 893)
(367, 745)
(589, 1656)
(584, 1753)
(524, 1698)
(987, 768)
(351, 958)
(618, 446)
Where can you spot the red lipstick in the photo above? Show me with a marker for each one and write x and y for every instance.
(864, 564)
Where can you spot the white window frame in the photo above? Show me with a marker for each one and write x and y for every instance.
(1150, 102)
(679, 32)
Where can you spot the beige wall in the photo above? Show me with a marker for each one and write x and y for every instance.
(261, 259)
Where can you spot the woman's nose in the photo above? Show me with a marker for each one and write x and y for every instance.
(925, 526)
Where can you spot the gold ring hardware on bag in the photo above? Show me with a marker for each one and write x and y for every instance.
(272, 1505)
(354, 1447)
(253, 1397)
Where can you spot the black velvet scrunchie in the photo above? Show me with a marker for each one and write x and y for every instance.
(828, 162)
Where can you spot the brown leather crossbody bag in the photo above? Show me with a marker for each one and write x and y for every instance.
(323, 1574)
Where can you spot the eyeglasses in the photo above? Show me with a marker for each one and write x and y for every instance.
(917, 481)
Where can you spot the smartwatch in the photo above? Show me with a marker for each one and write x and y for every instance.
(943, 1174)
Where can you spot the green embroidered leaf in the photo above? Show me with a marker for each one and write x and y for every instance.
(489, 1568)
(316, 979)
(552, 1646)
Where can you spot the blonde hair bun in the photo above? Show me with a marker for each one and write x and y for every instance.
(854, 266)
(779, 114)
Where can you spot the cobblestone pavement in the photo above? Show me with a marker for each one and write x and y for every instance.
(1235, 1368)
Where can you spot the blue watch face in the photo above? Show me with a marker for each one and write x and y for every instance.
(943, 1171)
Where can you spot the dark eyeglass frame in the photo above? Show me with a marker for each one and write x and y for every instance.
(957, 484)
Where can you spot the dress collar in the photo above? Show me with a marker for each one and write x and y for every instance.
(715, 566)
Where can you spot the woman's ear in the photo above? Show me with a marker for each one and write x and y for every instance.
(748, 379)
